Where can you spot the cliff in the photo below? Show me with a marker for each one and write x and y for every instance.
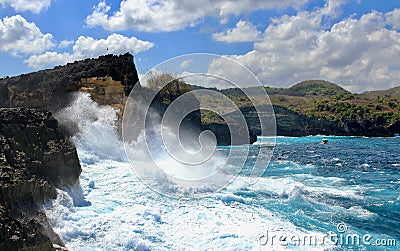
(192, 124)
(109, 80)
(50, 89)
(320, 107)
(35, 159)
(291, 123)
(105, 91)
(224, 136)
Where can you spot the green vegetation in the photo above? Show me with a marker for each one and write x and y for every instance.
(315, 88)
(337, 110)
(390, 93)
(273, 90)
(352, 106)
(322, 99)
(315, 98)
(208, 117)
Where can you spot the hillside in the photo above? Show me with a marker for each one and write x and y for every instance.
(315, 88)
(322, 107)
(390, 93)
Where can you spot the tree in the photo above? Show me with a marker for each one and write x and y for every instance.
(155, 80)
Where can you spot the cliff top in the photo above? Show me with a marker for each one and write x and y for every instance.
(315, 88)
(49, 89)
(390, 93)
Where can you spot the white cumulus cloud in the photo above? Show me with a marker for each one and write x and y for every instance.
(393, 19)
(358, 53)
(186, 63)
(86, 47)
(156, 15)
(65, 43)
(19, 36)
(34, 6)
(48, 59)
(244, 31)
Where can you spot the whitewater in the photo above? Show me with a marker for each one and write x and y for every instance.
(309, 194)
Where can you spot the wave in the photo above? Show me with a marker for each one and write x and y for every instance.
(290, 199)
(95, 128)
(125, 214)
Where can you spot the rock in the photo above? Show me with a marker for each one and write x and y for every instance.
(49, 89)
(224, 136)
(105, 91)
(364, 127)
(35, 159)
(394, 127)
(25, 231)
(290, 123)
(33, 140)
(109, 80)
(190, 126)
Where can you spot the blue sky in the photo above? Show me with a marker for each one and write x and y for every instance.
(354, 43)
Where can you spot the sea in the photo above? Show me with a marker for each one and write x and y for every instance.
(343, 195)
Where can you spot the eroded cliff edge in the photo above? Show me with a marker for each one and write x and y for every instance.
(50, 89)
(35, 159)
(36, 156)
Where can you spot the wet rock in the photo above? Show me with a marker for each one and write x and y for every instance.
(35, 159)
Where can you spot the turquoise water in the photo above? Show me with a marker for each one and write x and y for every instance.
(351, 180)
(340, 196)
(343, 195)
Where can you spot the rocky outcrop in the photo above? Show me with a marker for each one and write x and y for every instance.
(105, 91)
(35, 159)
(225, 137)
(49, 89)
(395, 127)
(365, 127)
(290, 123)
(190, 126)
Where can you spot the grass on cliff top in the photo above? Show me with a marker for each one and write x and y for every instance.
(319, 99)
(314, 98)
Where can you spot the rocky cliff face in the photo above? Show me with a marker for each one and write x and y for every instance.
(290, 123)
(395, 127)
(49, 89)
(224, 136)
(35, 159)
(105, 91)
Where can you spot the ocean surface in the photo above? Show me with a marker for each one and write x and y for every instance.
(343, 195)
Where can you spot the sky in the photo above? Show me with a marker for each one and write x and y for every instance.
(353, 43)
